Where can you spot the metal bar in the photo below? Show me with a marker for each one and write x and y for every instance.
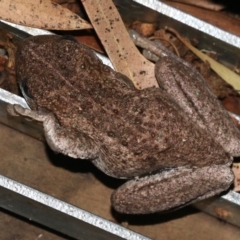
(226, 208)
(191, 21)
(58, 215)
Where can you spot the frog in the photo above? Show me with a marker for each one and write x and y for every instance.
(173, 145)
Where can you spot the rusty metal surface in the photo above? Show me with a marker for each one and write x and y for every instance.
(226, 208)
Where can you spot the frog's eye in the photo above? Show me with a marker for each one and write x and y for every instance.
(27, 94)
(24, 89)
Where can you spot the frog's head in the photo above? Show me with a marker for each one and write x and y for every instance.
(34, 58)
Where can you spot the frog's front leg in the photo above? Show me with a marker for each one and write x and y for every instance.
(171, 189)
(60, 139)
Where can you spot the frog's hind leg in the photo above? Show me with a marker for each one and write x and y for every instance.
(171, 189)
(192, 93)
(60, 139)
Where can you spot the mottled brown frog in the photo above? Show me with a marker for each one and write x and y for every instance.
(175, 148)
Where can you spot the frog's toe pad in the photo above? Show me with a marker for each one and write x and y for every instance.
(11, 110)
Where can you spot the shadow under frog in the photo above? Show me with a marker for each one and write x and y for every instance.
(174, 143)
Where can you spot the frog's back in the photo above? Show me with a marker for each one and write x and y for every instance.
(137, 132)
(155, 134)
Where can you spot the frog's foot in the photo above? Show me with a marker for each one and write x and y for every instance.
(18, 110)
(171, 189)
(60, 139)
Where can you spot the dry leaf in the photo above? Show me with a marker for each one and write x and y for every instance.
(225, 73)
(122, 52)
(91, 40)
(42, 14)
(236, 171)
